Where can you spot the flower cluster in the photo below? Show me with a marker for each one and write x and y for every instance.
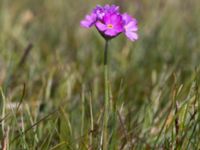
(110, 22)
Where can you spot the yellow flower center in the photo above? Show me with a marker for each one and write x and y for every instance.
(110, 26)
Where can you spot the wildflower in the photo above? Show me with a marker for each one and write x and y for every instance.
(110, 22)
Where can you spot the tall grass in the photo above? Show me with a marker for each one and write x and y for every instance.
(52, 93)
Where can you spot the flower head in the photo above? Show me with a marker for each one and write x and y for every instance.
(110, 22)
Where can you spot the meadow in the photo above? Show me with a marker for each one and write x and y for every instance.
(52, 83)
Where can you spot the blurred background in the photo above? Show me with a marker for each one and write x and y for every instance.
(43, 46)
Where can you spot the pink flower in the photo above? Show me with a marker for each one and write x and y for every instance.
(110, 22)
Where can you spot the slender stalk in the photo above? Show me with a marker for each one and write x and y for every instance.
(106, 53)
(106, 97)
(92, 121)
(83, 110)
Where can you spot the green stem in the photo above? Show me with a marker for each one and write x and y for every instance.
(106, 102)
(106, 53)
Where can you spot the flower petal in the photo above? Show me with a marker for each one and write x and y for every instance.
(99, 11)
(89, 20)
(111, 32)
(132, 35)
(100, 26)
(111, 8)
(126, 18)
(131, 26)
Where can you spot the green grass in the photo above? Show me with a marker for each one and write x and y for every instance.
(52, 95)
